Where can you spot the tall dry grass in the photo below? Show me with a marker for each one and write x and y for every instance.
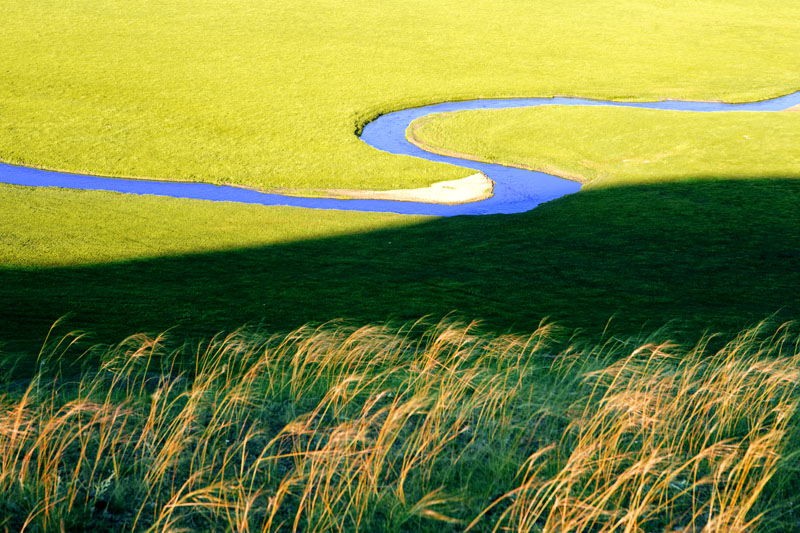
(420, 427)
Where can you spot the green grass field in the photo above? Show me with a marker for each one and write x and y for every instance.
(716, 254)
(270, 94)
(423, 428)
(687, 230)
(607, 146)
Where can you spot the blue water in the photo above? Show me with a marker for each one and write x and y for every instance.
(515, 190)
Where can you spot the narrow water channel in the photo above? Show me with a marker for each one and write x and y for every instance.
(515, 190)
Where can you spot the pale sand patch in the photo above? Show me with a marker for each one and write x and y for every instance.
(461, 191)
(795, 109)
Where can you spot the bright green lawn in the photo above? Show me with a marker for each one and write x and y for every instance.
(271, 93)
(58, 228)
(611, 146)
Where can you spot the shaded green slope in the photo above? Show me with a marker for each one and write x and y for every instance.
(715, 254)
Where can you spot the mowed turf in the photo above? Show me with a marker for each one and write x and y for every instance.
(270, 94)
(603, 146)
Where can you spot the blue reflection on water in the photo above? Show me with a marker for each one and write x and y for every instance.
(515, 190)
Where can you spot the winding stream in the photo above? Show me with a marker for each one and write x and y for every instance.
(515, 191)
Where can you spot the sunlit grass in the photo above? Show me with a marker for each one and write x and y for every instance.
(56, 227)
(423, 427)
(271, 93)
(604, 146)
(665, 253)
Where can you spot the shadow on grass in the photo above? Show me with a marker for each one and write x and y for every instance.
(700, 254)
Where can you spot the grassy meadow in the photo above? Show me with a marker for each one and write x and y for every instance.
(714, 255)
(598, 369)
(425, 427)
(608, 146)
(270, 94)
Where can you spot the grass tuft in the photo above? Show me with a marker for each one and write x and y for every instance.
(422, 427)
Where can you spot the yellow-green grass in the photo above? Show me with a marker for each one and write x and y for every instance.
(713, 254)
(419, 428)
(270, 94)
(375, 428)
(604, 146)
(61, 228)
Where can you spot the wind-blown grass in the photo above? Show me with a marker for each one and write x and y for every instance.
(417, 428)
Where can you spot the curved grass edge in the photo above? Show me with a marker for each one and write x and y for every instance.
(465, 189)
(413, 137)
(373, 113)
(526, 193)
(473, 188)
